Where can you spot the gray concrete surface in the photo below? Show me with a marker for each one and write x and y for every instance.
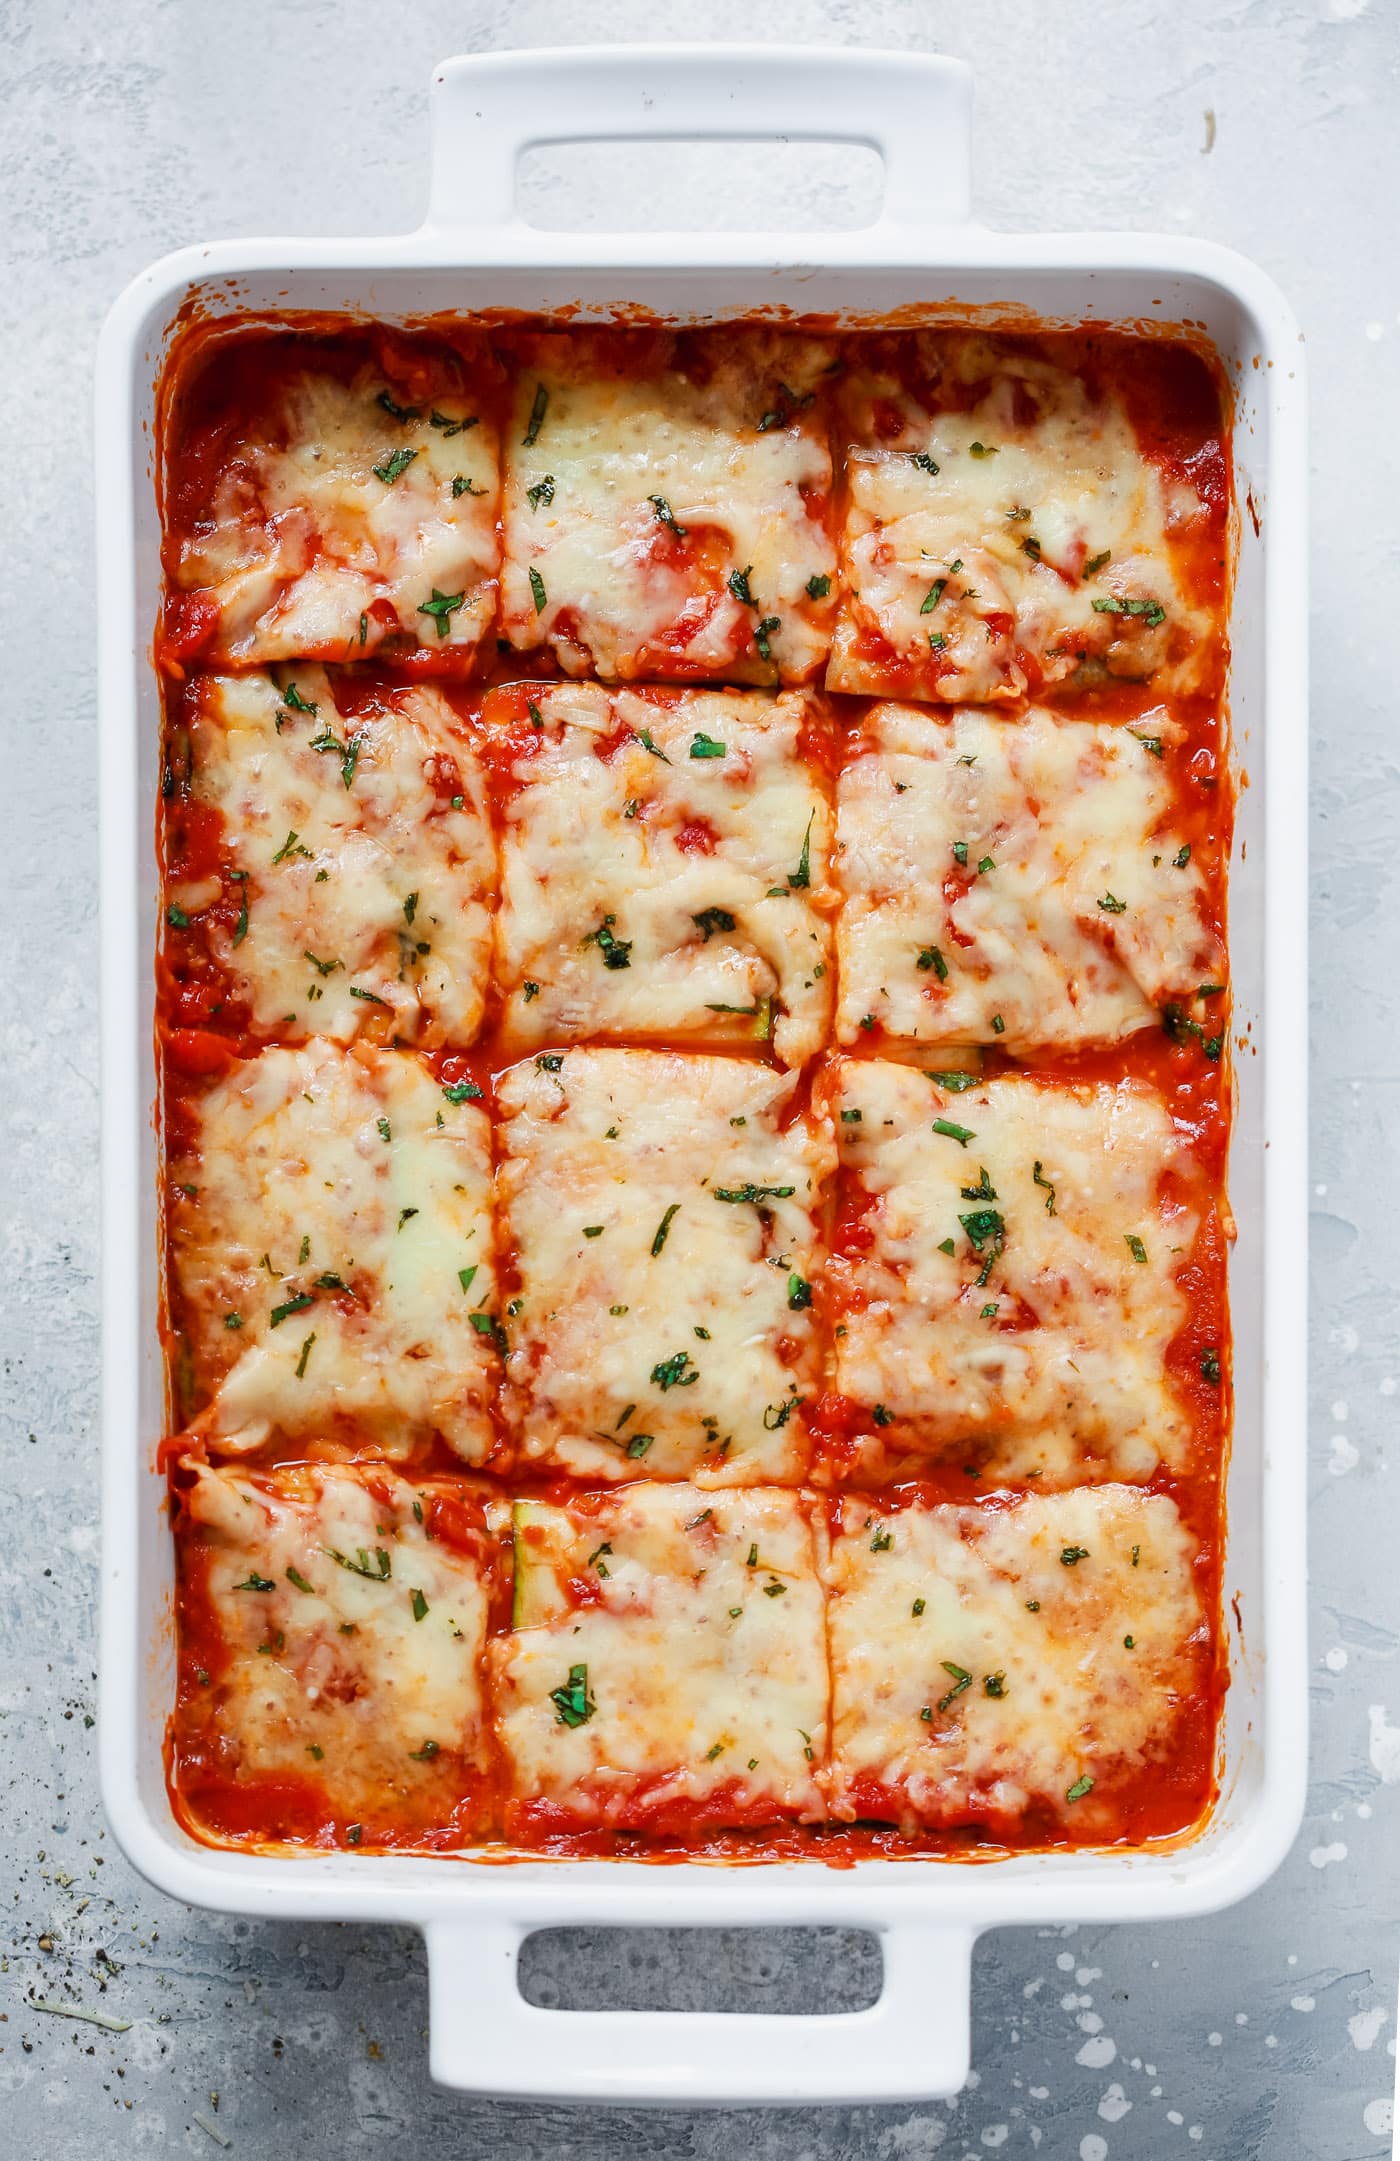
(1267, 2032)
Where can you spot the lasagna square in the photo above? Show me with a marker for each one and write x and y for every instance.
(329, 1226)
(1006, 530)
(1019, 882)
(333, 500)
(329, 860)
(1006, 1266)
(333, 1629)
(661, 1209)
(666, 1668)
(667, 505)
(664, 867)
(1044, 1666)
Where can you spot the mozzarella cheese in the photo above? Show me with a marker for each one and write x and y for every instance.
(1007, 533)
(668, 1665)
(338, 525)
(990, 1660)
(1015, 1301)
(319, 1228)
(351, 1638)
(366, 891)
(636, 502)
(661, 1211)
(1089, 915)
(664, 869)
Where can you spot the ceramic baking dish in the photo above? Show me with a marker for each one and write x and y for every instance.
(923, 254)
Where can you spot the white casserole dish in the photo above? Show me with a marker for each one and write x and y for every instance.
(923, 252)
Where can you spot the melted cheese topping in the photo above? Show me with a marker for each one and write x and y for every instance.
(1087, 918)
(1001, 1314)
(318, 1227)
(366, 891)
(663, 1326)
(309, 549)
(351, 1638)
(973, 581)
(632, 501)
(668, 1662)
(645, 887)
(987, 1660)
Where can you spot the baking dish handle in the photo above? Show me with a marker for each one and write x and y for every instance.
(913, 109)
(911, 2044)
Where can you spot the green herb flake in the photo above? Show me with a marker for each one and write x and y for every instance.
(419, 1604)
(961, 1679)
(256, 1583)
(1096, 563)
(537, 412)
(709, 920)
(663, 1228)
(818, 587)
(572, 1703)
(1112, 906)
(1136, 1247)
(282, 1313)
(375, 1568)
(675, 1372)
(1151, 611)
(763, 633)
(1210, 1367)
(542, 492)
(706, 746)
(1070, 1556)
(666, 516)
(799, 1293)
(462, 1091)
(396, 463)
(982, 450)
(441, 607)
(917, 1608)
(753, 1193)
(1046, 1186)
(961, 1134)
(1082, 1785)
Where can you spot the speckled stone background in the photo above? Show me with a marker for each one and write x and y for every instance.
(1265, 2034)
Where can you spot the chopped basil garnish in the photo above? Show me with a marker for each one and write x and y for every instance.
(419, 1604)
(961, 1134)
(298, 1304)
(961, 1679)
(397, 462)
(573, 1704)
(1069, 1555)
(1112, 906)
(705, 746)
(1082, 1785)
(1135, 1246)
(1151, 611)
(374, 1568)
(754, 1193)
(710, 920)
(1210, 1367)
(1036, 1179)
(663, 1228)
(671, 1372)
(256, 1583)
(799, 1293)
(542, 492)
(616, 952)
(931, 957)
(763, 633)
(441, 607)
(819, 587)
(666, 515)
(463, 1091)
(537, 413)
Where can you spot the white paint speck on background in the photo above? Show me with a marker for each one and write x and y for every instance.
(1385, 1744)
(1365, 2026)
(996, 2134)
(1305, 2003)
(1344, 1457)
(1324, 1856)
(1097, 2053)
(1379, 2116)
(1092, 2147)
(1339, 1413)
(1335, 1660)
(1215, 2039)
(1114, 2104)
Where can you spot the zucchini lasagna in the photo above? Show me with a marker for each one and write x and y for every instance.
(693, 1009)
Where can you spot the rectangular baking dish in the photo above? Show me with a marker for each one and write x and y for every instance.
(923, 257)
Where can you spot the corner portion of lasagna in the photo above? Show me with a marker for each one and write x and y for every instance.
(662, 1211)
(1005, 1270)
(666, 1666)
(1020, 882)
(329, 860)
(332, 1256)
(664, 864)
(667, 505)
(1005, 530)
(332, 1643)
(335, 504)
(1041, 1658)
